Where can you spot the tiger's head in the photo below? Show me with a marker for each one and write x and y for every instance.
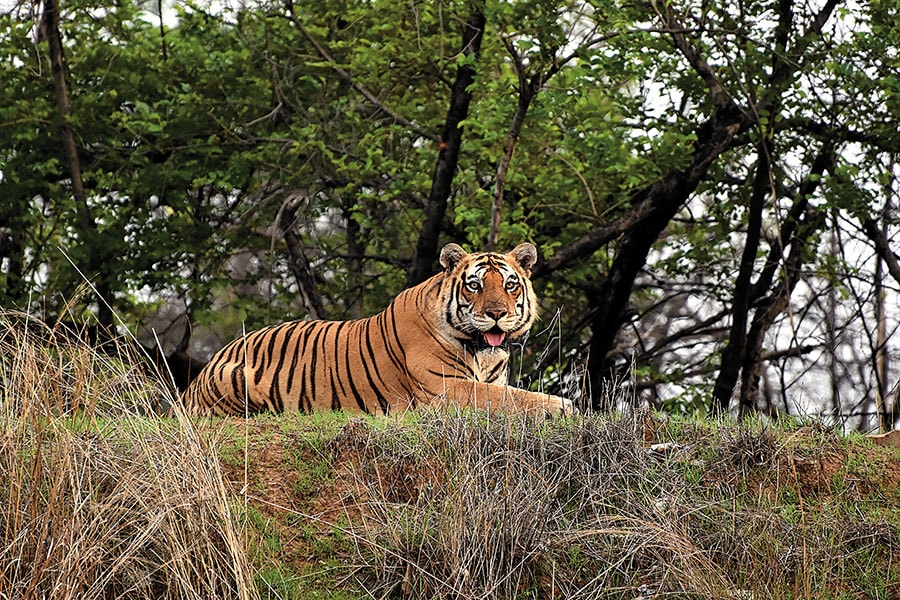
(488, 298)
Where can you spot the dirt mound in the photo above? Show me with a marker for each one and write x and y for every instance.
(758, 510)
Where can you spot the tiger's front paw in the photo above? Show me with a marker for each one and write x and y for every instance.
(562, 406)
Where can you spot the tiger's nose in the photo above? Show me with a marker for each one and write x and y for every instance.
(496, 313)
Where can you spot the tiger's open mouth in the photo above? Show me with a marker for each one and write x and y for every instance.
(494, 337)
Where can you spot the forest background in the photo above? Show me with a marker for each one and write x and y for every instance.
(712, 186)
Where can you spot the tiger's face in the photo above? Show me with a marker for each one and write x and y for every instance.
(488, 296)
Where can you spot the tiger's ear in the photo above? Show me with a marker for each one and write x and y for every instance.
(525, 255)
(451, 254)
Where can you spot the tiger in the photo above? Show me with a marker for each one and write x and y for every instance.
(442, 342)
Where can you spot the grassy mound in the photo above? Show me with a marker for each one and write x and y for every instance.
(438, 505)
(101, 498)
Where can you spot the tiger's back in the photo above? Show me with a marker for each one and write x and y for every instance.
(441, 341)
(306, 366)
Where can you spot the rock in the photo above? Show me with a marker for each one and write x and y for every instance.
(891, 439)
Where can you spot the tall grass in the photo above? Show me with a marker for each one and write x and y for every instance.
(96, 500)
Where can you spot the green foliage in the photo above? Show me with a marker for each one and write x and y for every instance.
(192, 137)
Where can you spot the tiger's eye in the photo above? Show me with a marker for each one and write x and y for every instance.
(512, 285)
(473, 286)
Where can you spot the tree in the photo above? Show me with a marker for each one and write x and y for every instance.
(448, 152)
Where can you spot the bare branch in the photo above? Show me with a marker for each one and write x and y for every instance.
(717, 91)
(882, 247)
(837, 134)
(528, 89)
(815, 27)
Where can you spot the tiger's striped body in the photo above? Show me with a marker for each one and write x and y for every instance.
(440, 341)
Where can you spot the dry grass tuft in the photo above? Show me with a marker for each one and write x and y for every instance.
(499, 507)
(96, 500)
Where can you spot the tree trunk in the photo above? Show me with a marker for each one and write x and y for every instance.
(737, 334)
(883, 256)
(297, 260)
(659, 203)
(96, 266)
(355, 251)
(768, 311)
(448, 155)
(12, 248)
(882, 389)
(800, 223)
(882, 248)
(831, 329)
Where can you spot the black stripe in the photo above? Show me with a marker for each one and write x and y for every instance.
(349, 373)
(394, 347)
(276, 398)
(299, 351)
(376, 389)
(458, 363)
(266, 361)
(334, 367)
(237, 379)
(448, 316)
(495, 372)
(335, 397)
(388, 329)
(309, 365)
(460, 307)
(451, 375)
(226, 354)
(255, 341)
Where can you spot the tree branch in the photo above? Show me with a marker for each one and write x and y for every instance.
(773, 305)
(713, 137)
(882, 247)
(663, 200)
(815, 27)
(96, 266)
(448, 155)
(737, 336)
(528, 89)
(297, 260)
(717, 91)
(825, 160)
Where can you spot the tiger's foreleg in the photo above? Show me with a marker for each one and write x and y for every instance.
(504, 397)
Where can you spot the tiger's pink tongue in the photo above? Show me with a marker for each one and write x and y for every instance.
(494, 339)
